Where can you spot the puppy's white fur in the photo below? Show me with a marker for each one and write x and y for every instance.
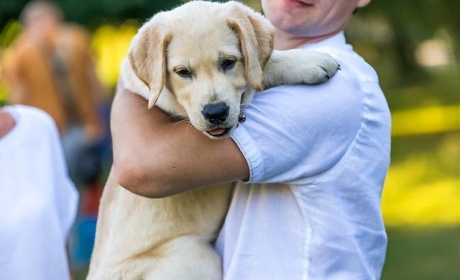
(179, 61)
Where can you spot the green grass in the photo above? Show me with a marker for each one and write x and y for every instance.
(423, 254)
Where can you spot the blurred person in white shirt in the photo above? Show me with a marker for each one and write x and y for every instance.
(38, 201)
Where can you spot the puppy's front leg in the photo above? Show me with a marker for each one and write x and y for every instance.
(297, 66)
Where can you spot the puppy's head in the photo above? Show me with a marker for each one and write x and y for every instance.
(209, 56)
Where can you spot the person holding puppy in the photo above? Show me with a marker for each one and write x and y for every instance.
(310, 161)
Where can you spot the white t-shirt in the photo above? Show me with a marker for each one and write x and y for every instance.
(318, 157)
(38, 202)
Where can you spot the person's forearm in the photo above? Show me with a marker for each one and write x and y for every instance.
(155, 157)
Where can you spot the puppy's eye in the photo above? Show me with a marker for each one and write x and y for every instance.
(227, 64)
(183, 72)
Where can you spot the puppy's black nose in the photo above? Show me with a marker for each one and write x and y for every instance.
(215, 113)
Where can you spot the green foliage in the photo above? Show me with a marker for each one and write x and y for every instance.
(410, 23)
(9, 33)
(10, 10)
(93, 13)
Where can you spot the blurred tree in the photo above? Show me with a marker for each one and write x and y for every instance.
(10, 10)
(411, 23)
(92, 13)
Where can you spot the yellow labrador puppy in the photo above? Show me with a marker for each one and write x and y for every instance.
(201, 61)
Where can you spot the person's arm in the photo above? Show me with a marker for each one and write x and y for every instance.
(155, 157)
(7, 122)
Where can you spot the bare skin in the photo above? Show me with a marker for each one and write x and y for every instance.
(7, 123)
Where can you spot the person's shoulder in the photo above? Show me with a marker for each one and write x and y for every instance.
(352, 62)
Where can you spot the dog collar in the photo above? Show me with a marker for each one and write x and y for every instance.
(242, 117)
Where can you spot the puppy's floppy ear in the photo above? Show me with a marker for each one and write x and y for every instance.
(256, 35)
(147, 55)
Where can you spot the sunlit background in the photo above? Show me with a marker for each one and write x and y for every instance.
(414, 46)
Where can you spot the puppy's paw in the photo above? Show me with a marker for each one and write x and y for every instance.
(299, 67)
(324, 67)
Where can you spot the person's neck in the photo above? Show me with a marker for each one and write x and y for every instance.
(284, 41)
(7, 122)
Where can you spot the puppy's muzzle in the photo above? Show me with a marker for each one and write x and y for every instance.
(216, 113)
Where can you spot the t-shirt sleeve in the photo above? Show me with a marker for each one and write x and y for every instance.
(293, 134)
